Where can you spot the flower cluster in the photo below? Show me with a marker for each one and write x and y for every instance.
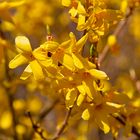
(73, 76)
(92, 16)
(60, 69)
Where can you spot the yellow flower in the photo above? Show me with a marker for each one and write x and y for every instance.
(67, 53)
(60, 53)
(82, 80)
(132, 113)
(77, 8)
(100, 112)
(71, 97)
(99, 22)
(88, 77)
(26, 56)
(76, 51)
(95, 19)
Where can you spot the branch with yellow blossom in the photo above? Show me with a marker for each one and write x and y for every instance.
(122, 121)
(116, 33)
(94, 59)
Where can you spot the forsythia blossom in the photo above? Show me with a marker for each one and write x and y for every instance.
(95, 18)
(59, 68)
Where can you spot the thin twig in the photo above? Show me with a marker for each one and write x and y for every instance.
(87, 4)
(36, 128)
(47, 110)
(134, 130)
(116, 33)
(65, 123)
(57, 134)
(44, 114)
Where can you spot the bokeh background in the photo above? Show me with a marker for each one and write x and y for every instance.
(17, 97)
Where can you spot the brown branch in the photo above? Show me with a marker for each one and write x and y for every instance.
(87, 4)
(47, 110)
(8, 90)
(36, 128)
(134, 130)
(58, 133)
(116, 33)
(65, 123)
(43, 115)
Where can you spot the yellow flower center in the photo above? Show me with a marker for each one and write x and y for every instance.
(86, 75)
(99, 107)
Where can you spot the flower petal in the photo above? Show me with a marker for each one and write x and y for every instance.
(26, 73)
(87, 89)
(98, 74)
(81, 89)
(73, 12)
(106, 127)
(80, 8)
(86, 114)
(77, 61)
(50, 46)
(71, 97)
(66, 3)
(81, 20)
(67, 61)
(17, 61)
(23, 43)
(80, 99)
(46, 63)
(81, 42)
(37, 70)
(102, 122)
